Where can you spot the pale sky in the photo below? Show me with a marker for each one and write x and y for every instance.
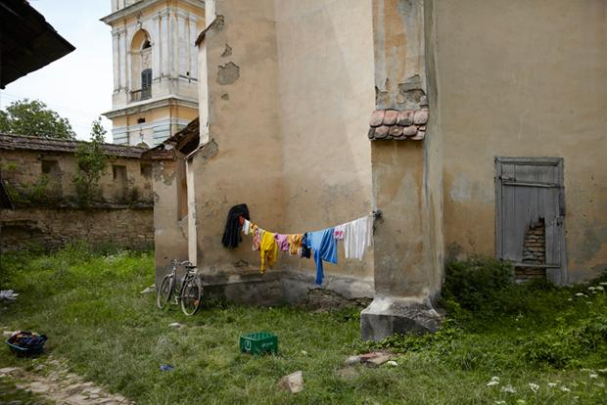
(78, 86)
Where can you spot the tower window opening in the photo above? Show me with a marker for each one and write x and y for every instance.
(141, 121)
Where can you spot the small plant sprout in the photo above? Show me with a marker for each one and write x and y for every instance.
(534, 387)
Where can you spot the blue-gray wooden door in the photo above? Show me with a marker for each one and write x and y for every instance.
(530, 190)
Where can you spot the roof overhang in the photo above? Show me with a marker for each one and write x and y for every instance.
(27, 41)
(136, 8)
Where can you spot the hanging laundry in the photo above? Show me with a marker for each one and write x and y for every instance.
(339, 232)
(295, 243)
(231, 234)
(257, 235)
(282, 241)
(246, 227)
(305, 250)
(268, 250)
(358, 236)
(324, 245)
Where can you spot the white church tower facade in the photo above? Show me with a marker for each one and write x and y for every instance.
(155, 65)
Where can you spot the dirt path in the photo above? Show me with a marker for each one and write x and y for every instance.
(53, 382)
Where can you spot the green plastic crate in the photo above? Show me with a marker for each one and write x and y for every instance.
(259, 343)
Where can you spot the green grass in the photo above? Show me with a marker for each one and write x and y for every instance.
(91, 308)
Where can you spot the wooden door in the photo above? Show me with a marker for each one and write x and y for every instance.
(530, 216)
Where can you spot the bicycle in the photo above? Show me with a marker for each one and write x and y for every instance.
(190, 290)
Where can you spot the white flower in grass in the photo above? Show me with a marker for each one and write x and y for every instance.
(579, 294)
(603, 283)
(600, 288)
(552, 385)
(521, 401)
(591, 288)
(500, 402)
(593, 375)
(509, 389)
(565, 389)
(602, 385)
(603, 371)
(534, 387)
(492, 383)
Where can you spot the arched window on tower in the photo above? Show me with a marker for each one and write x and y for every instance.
(141, 66)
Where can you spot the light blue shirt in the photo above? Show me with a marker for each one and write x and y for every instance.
(324, 245)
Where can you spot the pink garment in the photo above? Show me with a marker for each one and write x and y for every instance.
(283, 242)
(339, 232)
(257, 235)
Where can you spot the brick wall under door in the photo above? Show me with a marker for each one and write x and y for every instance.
(530, 214)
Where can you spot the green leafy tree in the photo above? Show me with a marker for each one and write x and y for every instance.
(34, 118)
(91, 160)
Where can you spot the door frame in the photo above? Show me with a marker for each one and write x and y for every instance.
(557, 275)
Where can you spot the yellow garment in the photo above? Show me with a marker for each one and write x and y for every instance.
(268, 250)
(294, 243)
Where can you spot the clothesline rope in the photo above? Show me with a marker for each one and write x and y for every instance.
(375, 214)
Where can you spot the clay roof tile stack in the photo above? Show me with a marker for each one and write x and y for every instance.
(398, 125)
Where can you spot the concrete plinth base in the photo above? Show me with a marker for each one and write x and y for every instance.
(389, 316)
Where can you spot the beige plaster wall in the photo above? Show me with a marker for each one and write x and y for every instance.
(170, 231)
(523, 78)
(325, 55)
(243, 164)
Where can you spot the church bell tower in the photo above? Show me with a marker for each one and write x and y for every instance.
(155, 68)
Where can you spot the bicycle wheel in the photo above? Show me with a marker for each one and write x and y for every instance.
(191, 296)
(165, 291)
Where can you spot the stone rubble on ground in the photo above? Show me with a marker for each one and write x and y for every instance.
(61, 386)
(373, 359)
(150, 289)
(292, 382)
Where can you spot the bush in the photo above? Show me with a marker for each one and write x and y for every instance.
(477, 284)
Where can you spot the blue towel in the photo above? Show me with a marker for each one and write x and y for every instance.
(324, 245)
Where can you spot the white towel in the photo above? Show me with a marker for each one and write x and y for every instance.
(358, 236)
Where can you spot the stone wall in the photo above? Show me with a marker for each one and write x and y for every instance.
(54, 228)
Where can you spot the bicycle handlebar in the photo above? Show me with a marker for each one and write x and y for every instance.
(186, 263)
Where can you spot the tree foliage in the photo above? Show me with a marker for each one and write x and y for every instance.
(34, 118)
(91, 161)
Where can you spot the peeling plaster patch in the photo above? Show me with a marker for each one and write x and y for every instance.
(227, 52)
(216, 25)
(228, 74)
(225, 97)
(462, 190)
(593, 243)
